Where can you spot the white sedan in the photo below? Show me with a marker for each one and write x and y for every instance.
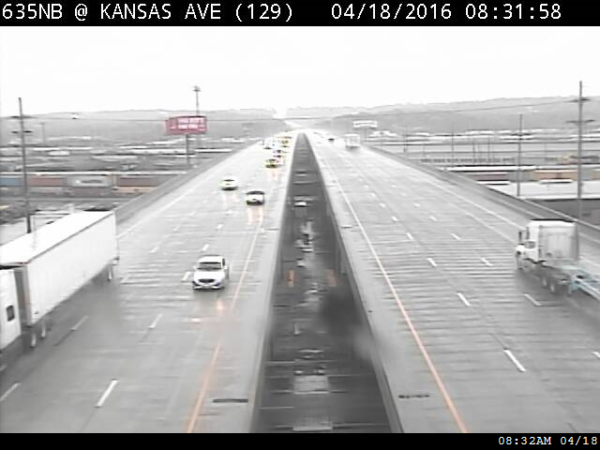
(255, 197)
(229, 184)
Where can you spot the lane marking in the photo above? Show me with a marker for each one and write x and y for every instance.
(432, 262)
(153, 325)
(463, 299)
(177, 227)
(514, 360)
(394, 218)
(7, 393)
(417, 205)
(433, 218)
(206, 379)
(186, 276)
(78, 324)
(382, 205)
(192, 214)
(438, 380)
(205, 247)
(219, 226)
(486, 262)
(156, 212)
(404, 194)
(532, 300)
(455, 236)
(410, 237)
(597, 354)
(373, 194)
(110, 388)
(155, 249)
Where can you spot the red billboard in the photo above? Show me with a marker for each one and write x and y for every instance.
(186, 125)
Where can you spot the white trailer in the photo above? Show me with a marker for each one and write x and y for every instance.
(352, 141)
(42, 269)
(549, 250)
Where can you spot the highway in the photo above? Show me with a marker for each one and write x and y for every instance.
(146, 353)
(467, 343)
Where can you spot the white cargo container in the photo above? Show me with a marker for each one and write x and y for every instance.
(42, 269)
(549, 249)
(10, 325)
(352, 141)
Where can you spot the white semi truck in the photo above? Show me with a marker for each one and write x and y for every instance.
(40, 270)
(352, 141)
(549, 250)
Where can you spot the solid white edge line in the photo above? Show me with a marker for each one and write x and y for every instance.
(205, 247)
(432, 262)
(486, 262)
(455, 236)
(597, 354)
(410, 236)
(185, 276)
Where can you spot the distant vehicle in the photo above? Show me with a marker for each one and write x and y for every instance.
(229, 184)
(255, 197)
(352, 141)
(210, 272)
(331, 138)
(548, 249)
(272, 163)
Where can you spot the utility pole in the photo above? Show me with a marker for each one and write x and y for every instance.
(22, 132)
(519, 156)
(187, 149)
(43, 124)
(452, 145)
(196, 89)
(580, 122)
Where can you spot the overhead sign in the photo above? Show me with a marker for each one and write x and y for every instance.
(365, 124)
(186, 125)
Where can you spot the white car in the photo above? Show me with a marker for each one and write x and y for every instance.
(210, 272)
(229, 183)
(255, 197)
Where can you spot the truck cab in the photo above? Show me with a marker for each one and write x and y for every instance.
(550, 242)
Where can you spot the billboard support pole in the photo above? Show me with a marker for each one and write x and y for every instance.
(187, 149)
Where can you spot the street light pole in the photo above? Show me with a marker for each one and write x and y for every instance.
(580, 122)
(519, 153)
(24, 163)
(196, 89)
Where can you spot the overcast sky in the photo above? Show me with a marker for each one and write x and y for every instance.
(91, 69)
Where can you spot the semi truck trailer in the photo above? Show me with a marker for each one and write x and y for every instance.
(548, 249)
(42, 269)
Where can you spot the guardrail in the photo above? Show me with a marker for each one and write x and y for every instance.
(128, 209)
(589, 230)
